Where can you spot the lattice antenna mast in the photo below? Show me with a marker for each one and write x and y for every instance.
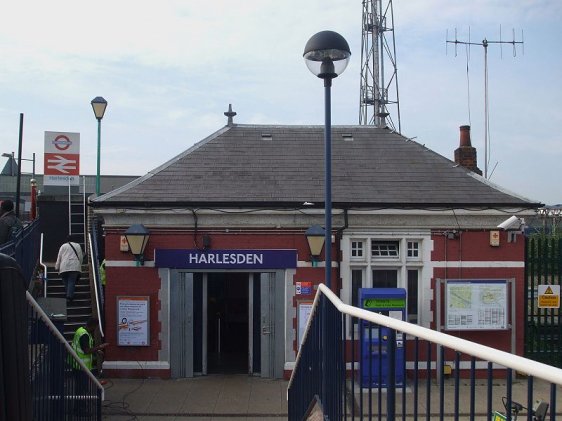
(378, 103)
(485, 43)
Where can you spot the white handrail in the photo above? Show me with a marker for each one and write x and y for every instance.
(61, 338)
(515, 362)
(85, 226)
(95, 284)
(44, 268)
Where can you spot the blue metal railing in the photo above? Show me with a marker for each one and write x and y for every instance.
(482, 380)
(24, 248)
(61, 385)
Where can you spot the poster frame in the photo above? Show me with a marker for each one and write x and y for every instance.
(145, 334)
(301, 322)
(508, 311)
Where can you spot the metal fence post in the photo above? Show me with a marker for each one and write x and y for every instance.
(15, 389)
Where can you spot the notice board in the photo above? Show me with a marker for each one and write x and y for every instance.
(476, 304)
(303, 313)
(133, 315)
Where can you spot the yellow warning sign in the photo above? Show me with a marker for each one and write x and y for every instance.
(548, 296)
(549, 301)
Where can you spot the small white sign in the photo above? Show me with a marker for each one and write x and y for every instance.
(304, 311)
(62, 142)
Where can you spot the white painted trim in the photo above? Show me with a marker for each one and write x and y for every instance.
(289, 365)
(305, 264)
(481, 264)
(128, 263)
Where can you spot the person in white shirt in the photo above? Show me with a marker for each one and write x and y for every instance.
(69, 266)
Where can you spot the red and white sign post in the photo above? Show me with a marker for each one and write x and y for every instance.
(62, 159)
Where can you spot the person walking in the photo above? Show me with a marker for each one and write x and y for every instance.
(9, 222)
(69, 266)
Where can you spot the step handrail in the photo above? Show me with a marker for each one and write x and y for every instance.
(95, 273)
(486, 353)
(44, 268)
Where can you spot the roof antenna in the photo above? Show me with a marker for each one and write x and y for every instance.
(230, 114)
(485, 43)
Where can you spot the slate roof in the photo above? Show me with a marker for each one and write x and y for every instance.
(240, 166)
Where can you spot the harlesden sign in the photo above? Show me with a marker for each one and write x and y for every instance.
(225, 259)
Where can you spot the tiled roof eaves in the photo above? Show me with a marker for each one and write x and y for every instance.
(239, 167)
(148, 175)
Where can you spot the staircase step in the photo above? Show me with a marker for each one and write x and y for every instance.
(80, 309)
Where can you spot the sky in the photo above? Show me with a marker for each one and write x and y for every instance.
(169, 70)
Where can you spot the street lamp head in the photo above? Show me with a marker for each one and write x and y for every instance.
(326, 54)
(99, 105)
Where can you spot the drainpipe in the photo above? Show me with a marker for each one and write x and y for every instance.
(339, 235)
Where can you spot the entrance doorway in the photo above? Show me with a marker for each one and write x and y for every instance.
(228, 322)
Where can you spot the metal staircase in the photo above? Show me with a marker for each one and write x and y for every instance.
(80, 310)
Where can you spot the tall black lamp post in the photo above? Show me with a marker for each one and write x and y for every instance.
(326, 55)
(98, 105)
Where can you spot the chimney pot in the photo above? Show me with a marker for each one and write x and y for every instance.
(465, 154)
(465, 136)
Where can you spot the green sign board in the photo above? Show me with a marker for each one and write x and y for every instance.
(376, 303)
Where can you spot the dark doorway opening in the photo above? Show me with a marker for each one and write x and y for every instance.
(227, 327)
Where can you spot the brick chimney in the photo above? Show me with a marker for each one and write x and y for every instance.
(465, 154)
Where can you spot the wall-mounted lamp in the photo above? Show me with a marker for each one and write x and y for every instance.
(137, 237)
(315, 236)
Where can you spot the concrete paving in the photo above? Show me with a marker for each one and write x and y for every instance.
(241, 397)
(208, 398)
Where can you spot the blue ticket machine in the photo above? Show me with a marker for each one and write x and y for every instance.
(374, 339)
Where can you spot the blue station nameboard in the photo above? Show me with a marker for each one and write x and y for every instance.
(225, 259)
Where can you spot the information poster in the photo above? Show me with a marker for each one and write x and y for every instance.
(132, 321)
(304, 310)
(476, 305)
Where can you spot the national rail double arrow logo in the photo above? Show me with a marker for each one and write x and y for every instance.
(61, 164)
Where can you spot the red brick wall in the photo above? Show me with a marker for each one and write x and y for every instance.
(144, 280)
(129, 281)
(474, 246)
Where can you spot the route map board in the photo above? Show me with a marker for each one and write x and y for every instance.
(476, 305)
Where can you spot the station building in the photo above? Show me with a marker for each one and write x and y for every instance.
(227, 276)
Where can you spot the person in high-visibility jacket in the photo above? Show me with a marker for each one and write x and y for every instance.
(83, 344)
